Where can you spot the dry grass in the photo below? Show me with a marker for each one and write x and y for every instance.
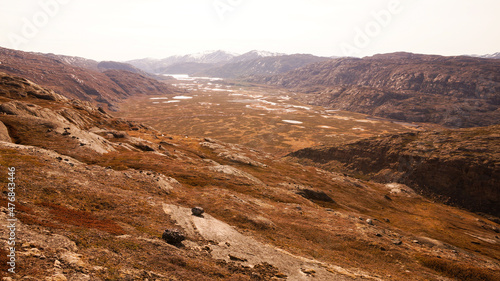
(83, 219)
(459, 270)
(3, 262)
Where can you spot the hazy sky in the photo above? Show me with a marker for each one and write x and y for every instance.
(130, 29)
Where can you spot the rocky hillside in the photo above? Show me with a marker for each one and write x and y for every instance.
(261, 66)
(452, 91)
(113, 65)
(459, 167)
(80, 83)
(74, 61)
(98, 198)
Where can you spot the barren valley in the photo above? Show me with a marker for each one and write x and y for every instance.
(123, 175)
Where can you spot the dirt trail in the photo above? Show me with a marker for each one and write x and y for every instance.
(230, 245)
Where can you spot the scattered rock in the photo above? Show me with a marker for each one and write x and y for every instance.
(309, 272)
(197, 211)
(281, 275)
(57, 277)
(173, 236)
(369, 221)
(73, 259)
(397, 242)
(232, 171)
(234, 258)
(238, 158)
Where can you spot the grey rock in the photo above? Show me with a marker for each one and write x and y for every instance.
(197, 211)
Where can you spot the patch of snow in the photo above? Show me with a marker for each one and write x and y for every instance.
(182, 98)
(301, 107)
(292, 121)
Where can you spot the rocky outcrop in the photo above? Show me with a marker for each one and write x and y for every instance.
(459, 167)
(173, 236)
(453, 91)
(4, 133)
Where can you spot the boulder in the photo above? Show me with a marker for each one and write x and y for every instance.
(315, 195)
(197, 211)
(173, 236)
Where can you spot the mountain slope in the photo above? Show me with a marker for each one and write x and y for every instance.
(158, 66)
(452, 91)
(458, 166)
(76, 82)
(74, 61)
(489, 56)
(94, 195)
(262, 66)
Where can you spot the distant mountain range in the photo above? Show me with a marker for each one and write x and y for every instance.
(452, 91)
(489, 56)
(226, 65)
(261, 66)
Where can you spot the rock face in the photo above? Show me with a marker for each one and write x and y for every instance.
(104, 89)
(67, 122)
(458, 166)
(4, 133)
(452, 91)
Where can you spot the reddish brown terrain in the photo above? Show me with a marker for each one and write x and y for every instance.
(95, 194)
(104, 89)
(455, 166)
(451, 91)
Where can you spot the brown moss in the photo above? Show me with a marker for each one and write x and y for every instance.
(83, 219)
(459, 271)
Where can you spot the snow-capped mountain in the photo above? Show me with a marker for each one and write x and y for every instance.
(255, 54)
(159, 65)
(488, 56)
(202, 60)
(492, 56)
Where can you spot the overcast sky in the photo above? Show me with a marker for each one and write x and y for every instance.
(131, 29)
